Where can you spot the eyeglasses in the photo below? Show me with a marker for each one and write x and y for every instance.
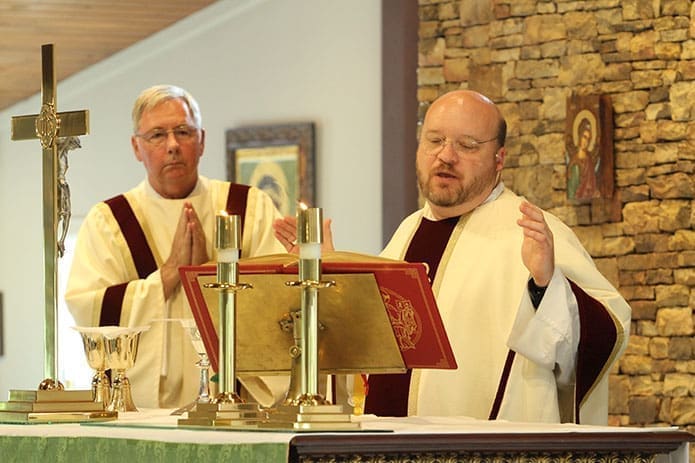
(157, 137)
(465, 147)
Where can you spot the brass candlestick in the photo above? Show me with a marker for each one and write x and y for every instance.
(227, 408)
(306, 408)
(228, 244)
(309, 239)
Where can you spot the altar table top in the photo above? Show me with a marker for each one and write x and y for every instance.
(153, 436)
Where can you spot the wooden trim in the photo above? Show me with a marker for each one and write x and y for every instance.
(635, 445)
(398, 112)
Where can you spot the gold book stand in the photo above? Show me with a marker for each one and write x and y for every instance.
(358, 332)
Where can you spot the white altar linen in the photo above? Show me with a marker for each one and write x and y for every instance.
(160, 425)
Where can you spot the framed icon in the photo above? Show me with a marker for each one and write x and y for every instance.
(278, 159)
(589, 148)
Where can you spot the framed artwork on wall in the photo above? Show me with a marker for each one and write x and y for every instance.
(278, 159)
(589, 148)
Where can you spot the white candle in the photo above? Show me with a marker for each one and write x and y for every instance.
(309, 231)
(228, 255)
(310, 251)
(227, 237)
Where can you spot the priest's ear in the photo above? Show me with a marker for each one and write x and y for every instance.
(499, 157)
(202, 141)
(136, 147)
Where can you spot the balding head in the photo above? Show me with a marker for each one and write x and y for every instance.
(461, 152)
(478, 104)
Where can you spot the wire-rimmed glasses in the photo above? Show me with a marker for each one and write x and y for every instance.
(464, 147)
(182, 133)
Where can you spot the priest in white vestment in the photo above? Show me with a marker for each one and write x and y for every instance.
(534, 326)
(129, 248)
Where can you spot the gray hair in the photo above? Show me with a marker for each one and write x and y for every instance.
(151, 97)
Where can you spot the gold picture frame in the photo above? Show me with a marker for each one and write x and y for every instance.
(278, 159)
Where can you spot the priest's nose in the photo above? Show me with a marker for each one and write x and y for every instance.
(173, 146)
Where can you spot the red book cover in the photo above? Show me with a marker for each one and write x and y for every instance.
(404, 289)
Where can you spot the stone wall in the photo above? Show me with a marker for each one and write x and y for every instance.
(529, 56)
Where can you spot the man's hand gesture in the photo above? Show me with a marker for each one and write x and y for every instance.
(285, 231)
(188, 248)
(537, 251)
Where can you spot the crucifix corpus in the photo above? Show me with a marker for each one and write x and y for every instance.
(58, 134)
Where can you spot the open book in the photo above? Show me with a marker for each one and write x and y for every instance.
(379, 317)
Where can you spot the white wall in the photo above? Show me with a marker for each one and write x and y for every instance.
(247, 62)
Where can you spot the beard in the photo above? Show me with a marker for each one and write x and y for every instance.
(453, 194)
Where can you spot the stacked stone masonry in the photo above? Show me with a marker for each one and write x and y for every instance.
(529, 56)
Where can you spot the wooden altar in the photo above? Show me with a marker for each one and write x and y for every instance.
(153, 436)
(481, 448)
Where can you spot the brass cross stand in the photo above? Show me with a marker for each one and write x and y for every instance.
(57, 133)
(49, 126)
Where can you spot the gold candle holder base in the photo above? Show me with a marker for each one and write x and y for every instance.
(235, 415)
(322, 417)
(227, 398)
(306, 400)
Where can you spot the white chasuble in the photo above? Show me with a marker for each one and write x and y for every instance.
(481, 291)
(165, 374)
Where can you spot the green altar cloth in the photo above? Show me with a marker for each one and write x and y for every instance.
(23, 449)
(150, 436)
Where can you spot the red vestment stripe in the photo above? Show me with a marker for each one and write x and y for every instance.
(502, 385)
(111, 305)
(133, 234)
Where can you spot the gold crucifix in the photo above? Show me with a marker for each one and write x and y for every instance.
(57, 133)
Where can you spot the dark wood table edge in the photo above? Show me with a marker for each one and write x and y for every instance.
(656, 442)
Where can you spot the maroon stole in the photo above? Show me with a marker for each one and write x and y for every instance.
(388, 393)
(597, 341)
(140, 250)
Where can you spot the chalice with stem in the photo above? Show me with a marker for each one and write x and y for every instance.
(95, 350)
(203, 364)
(121, 351)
